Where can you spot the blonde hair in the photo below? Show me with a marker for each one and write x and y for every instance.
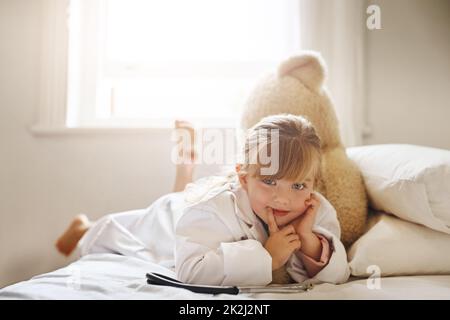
(297, 146)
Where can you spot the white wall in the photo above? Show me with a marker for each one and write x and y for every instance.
(408, 73)
(47, 180)
(44, 181)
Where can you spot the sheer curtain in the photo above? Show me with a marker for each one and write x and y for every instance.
(336, 29)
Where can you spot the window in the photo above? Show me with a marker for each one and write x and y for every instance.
(144, 63)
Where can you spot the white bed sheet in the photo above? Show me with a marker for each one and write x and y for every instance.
(110, 276)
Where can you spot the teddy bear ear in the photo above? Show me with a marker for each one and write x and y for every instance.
(308, 68)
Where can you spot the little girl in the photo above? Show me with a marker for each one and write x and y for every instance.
(239, 228)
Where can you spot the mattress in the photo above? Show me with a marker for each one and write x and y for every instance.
(112, 276)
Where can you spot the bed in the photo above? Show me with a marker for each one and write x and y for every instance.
(111, 276)
(402, 255)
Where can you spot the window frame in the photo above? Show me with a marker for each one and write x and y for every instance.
(51, 103)
(53, 110)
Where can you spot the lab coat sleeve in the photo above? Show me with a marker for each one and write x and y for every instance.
(111, 234)
(207, 253)
(315, 266)
(336, 270)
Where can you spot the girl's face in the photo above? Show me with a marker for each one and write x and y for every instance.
(285, 198)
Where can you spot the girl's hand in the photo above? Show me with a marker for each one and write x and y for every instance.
(281, 243)
(304, 224)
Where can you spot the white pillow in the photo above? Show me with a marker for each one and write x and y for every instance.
(411, 182)
(399, 247)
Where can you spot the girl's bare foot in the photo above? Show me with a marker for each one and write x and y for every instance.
(68, 241)
(186, 153)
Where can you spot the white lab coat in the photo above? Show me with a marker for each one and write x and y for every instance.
(217, 240)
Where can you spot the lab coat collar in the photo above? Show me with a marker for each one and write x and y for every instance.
(243, 206)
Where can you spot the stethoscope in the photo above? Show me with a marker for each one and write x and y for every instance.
(162, 280)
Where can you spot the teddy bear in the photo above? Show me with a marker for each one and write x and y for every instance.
(297, 87)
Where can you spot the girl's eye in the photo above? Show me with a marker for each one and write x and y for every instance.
(270, 182)
(299, 186)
